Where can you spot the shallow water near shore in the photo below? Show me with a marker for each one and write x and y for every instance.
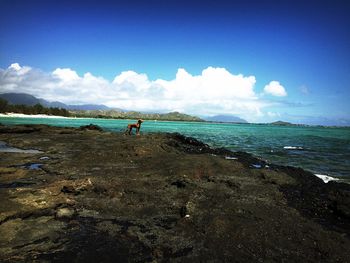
(5, 148)
(321, 150)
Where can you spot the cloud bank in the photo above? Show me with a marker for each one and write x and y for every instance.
(214, 91)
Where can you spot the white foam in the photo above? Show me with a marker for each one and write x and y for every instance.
(230, 158)
(326, 178)
(293, 148)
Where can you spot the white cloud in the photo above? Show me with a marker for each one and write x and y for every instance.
(214, 91)
(65, 74)
(275, 88)
(15, 66)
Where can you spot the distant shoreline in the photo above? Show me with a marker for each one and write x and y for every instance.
(43, 116)
(21, 115)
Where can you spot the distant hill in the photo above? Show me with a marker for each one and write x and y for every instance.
(171, 116)
(226, 118)
(30, 100)
(285, 123)
(21, 98)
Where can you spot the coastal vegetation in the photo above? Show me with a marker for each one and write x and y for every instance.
(285, 123)
(35, 109)
(115, 114)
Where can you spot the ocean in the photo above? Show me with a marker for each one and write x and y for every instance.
(320, 150)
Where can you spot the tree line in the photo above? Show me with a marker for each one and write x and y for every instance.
(36, 109)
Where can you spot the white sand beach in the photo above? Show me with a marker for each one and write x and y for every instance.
(20, 115)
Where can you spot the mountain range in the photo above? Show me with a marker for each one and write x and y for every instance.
(100, 110)
(30, 100)
(225, 118)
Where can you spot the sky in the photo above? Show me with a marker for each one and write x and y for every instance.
(259, 60)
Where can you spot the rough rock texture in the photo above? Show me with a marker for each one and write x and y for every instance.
(103, 197)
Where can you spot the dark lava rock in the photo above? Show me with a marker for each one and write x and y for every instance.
(107, 197)
(21, 129)
(69, 189)
(188, 144)
(179, 183)
(91, 127)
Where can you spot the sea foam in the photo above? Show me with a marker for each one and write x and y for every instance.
(293, 148)
(326, 178)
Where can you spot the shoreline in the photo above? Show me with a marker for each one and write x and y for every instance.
(324, 176)
(160, 197)
(43, 116)
(21, 115)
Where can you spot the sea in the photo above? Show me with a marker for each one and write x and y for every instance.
(324, 151)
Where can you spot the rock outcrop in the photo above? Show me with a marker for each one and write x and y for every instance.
(103, 197)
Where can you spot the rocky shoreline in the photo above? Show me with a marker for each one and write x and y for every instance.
(88, 195)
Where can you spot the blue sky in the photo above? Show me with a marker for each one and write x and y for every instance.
(303, 45)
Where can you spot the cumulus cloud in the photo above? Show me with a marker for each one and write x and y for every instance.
(214, 91)
(15, 66)
(65, 74)
(275, 88)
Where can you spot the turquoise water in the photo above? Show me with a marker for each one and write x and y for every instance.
(319, 150)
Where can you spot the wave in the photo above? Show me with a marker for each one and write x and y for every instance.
(326, 178)
(293, 148)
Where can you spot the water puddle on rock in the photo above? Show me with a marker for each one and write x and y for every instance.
(15, 185)
(8, 149)
(34, 166)
(31, 166)
(231, 158)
